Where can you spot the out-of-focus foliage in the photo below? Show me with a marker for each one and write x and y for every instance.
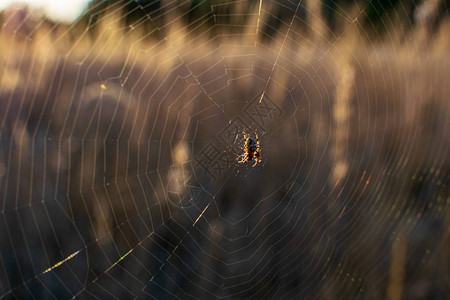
(334, 13)
(97, 132)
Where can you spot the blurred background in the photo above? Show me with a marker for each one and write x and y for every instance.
(122, 123)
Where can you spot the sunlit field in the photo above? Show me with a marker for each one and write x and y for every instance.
(121, 136)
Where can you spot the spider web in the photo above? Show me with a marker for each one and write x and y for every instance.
(121, 133)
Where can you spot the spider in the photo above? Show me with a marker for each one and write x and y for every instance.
(251, 150)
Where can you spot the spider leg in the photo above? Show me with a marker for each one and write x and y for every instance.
(244, 158)
(245, 138)
(257, 142)
(257, 160)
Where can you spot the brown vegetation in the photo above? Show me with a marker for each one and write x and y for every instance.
(106, 142)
